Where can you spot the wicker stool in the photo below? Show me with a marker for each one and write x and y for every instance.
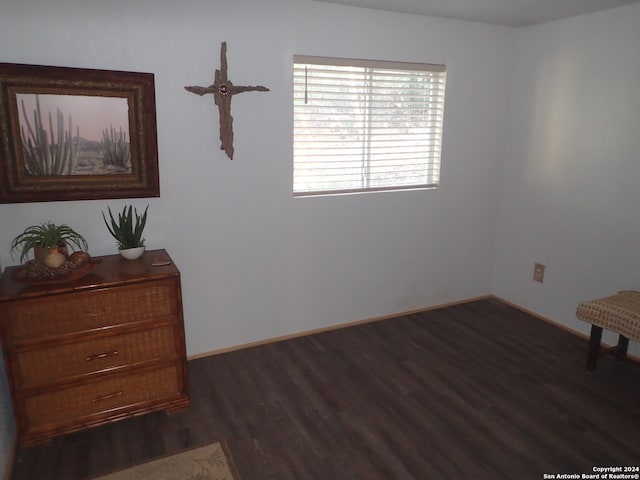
(619, 313)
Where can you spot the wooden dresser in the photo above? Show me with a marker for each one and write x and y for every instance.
(102, 348)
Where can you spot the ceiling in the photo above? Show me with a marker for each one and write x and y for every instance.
(515, 13)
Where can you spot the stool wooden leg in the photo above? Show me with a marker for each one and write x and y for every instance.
(594, 347)
(623, 345)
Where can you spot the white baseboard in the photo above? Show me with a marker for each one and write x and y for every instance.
(401, 314)
(559, 325)
(333, 327)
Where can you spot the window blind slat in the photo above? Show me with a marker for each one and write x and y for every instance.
(364, 125)
(346, 62)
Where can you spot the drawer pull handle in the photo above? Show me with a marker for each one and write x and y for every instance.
(96, 356)
(89, 313)
(107, 396)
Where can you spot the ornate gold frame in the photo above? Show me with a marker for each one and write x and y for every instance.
(17, 185)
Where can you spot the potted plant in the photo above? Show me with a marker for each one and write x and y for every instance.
(49, 242)
(127, 230)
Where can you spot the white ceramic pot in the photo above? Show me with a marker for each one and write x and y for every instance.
(132, 253)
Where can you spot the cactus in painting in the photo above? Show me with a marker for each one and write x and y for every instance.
(44, 153)
(116, 149)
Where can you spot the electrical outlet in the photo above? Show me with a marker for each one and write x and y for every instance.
(538, 272)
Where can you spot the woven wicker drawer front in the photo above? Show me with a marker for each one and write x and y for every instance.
(118, 391)
(71, 313)
(62, 361)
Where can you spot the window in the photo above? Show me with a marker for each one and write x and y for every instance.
(364, 125)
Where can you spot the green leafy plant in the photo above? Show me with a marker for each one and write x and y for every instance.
(47, 236)
(127, 230)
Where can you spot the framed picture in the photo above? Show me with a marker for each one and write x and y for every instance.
(76, 134)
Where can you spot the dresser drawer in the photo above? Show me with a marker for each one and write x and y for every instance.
(51, 364)
(72, 313)
(114, 392)
(94, 350)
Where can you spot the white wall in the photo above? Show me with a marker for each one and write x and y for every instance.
(7, 423)
(572, 169)
(257, 263)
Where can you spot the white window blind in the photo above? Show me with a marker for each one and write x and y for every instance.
(364, 125)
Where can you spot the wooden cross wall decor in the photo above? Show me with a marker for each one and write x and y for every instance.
(222, 90)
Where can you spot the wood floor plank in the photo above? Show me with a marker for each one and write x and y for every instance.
(473, 391)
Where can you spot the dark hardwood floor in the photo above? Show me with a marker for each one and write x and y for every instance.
(474, 391)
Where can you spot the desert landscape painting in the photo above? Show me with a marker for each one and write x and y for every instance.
(74, 135)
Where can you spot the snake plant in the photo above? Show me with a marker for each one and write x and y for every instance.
(128, 228)
(47, 236)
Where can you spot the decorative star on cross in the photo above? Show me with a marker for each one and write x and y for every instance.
(222, 90)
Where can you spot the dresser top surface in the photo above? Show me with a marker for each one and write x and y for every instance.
(110, 270)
